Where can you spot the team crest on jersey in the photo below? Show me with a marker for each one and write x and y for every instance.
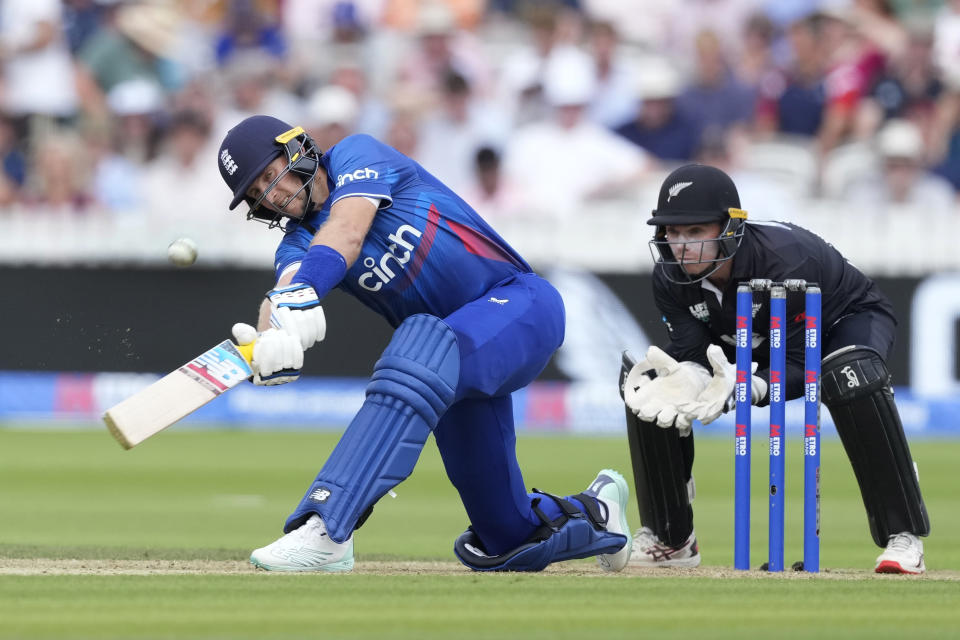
(700, 311)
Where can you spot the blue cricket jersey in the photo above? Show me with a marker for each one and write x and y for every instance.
(427, 251)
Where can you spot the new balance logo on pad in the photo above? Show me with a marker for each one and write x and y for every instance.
(320, 494)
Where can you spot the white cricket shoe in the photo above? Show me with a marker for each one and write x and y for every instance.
(904, 554)
(649, 551)
(611, 491)
(307, 548)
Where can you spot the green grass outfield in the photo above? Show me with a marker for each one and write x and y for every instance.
(96, 542)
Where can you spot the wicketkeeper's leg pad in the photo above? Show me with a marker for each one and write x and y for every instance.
(856, 389)
(662, 466)
(413, 384)
(576, 533)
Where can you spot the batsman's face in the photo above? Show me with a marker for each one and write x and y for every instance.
(694, 246)
(286, 196)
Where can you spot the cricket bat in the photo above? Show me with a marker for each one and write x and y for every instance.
(179, 393)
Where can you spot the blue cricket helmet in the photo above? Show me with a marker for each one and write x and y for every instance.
(254, 143)
(246, 151)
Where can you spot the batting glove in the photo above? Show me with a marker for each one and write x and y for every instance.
(296, 309)
(277, 355)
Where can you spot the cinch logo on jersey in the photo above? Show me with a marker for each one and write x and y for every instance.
(381, 272)
(359, 174)
(228, 164)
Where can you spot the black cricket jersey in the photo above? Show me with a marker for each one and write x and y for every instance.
(696, 318)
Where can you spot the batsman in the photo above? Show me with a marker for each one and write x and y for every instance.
(473, 323)
(704, 246)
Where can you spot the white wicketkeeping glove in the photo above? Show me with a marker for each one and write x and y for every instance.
(277, 355)
(296, 309)
(659, 399)
(717, 397)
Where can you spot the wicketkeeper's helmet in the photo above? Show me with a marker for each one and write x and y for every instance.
(696, 194)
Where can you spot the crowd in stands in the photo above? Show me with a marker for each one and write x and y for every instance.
(533, 108)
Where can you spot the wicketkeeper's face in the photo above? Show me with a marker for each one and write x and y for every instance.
(694, 246)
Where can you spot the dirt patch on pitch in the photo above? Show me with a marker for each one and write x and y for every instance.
(42, 566)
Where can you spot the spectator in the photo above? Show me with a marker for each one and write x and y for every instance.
(119, 174)
(902, 179)
(521, 80)
(246, 28)
(490, 193)
(373, 115)
(58, 174)
(877, 22)
(853, 63)
(403, 128)
(37, 72)
(684, 20)
(254, 88)
(13, 160)
(183, 167)
(615, 98)
(943, 138)
(81, 19)
(132, 45)
(908, 88)
(792, 100)
(564, 162)
(716, 100)
(450, 136)
(331, 115)
(757, 57)
(659, 127)
(441, 48)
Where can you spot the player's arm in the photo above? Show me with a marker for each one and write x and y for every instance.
(343, 232)
(294, 305)
(346, 228)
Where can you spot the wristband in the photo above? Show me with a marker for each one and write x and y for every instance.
(322, 268)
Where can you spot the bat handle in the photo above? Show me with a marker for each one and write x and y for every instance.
(246, 350)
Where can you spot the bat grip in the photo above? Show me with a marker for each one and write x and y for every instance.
(246, 350)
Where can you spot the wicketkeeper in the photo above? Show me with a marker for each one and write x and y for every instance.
(473, 324)
(704, 247)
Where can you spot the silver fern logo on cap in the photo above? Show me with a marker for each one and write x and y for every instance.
(677, 188)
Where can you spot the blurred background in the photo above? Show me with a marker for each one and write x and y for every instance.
(556, 119)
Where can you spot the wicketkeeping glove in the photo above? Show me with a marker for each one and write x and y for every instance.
(658, 399)
(717, 398)
(296, 309)
(277, 355)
